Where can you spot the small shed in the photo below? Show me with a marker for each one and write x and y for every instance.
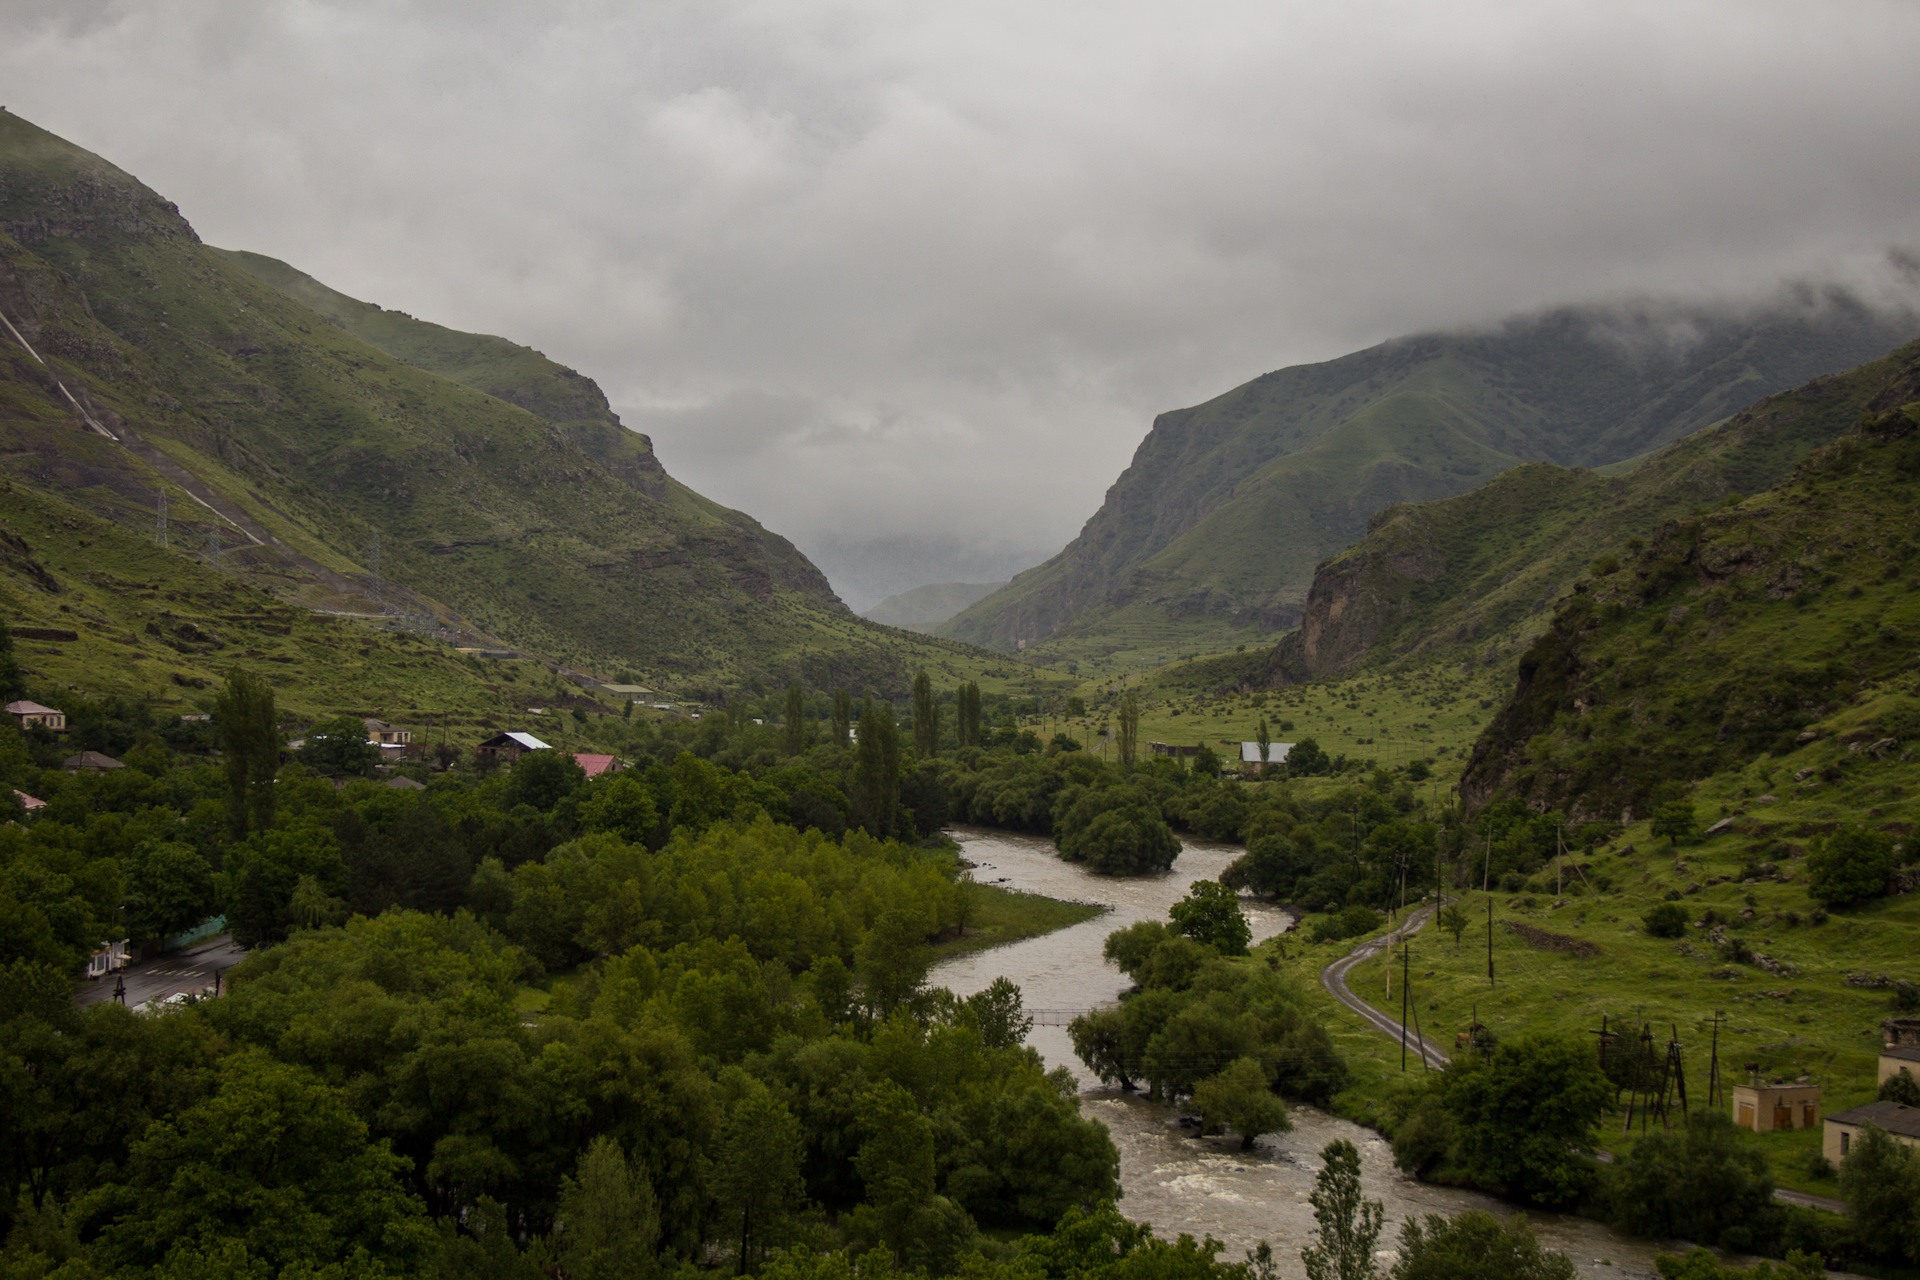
(29, 803)
(1766, 1107)
(90, 762)
(627, 691)
(1843, 1128)
(30, 714)
(403, 784)
(509, 746)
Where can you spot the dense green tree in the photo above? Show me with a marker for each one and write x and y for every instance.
(274, 1163)
(757, 1163)
(1880, 1179)
(249, 731)
(896, 1163)
(544, 778)
(892, 960)
(1528, 1115)
(338, 747)
(1263, 738)
(169, 889)
(1306, 759)
(998, 1016)
(607, 1221)
(1665, 920)
(926, 717)
(1347, 1223)
(1850, 865)
(1210, 914)
(1240, 1099)
(1475, 1246)
(264, 871)
(1454, 921)
(620, 804)
(1699, 1264)
(796, 720)
(1675, 823)
(1705, 1181)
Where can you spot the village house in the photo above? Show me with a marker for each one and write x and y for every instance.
(505, 748)
(382, 734)
(31, 714)
(1276, 752)
(27, 802)
(1843, 1128)
(1895, 1058)
(90, 762)
(1766, 1107)
(595, 764)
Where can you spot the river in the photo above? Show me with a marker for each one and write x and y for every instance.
(1208, 1186)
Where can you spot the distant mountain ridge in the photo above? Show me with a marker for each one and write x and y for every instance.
(497, 491)
(923, 608)
(1227, 508)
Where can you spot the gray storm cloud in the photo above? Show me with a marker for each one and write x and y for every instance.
(908, 281)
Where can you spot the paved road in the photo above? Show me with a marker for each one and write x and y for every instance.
(1334, 979)
(188, 971)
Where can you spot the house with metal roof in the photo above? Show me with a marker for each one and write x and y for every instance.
(30, 714)
(509, 746)
(596, 764)
(90, 762)
(1276, 752)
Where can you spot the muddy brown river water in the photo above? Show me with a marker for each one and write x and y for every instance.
(1208, 1186)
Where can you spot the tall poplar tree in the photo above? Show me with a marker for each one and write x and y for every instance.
(842, 716)
(966, 714)
(1129, 723)
(796, 720)
(877, 768)
(926, 717)
(1265, 741)
(244, 714)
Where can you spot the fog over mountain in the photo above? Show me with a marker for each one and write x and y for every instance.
(909, 283)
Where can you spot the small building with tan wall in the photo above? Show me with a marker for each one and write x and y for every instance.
(1766, 1107)
(1843, 1128)
(1896, 1058)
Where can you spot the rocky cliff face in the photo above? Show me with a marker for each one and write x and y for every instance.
(1734, 633)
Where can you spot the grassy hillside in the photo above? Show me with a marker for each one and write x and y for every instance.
(1736, 635)
(301, 442)
(1212, 534)
(1476, 576)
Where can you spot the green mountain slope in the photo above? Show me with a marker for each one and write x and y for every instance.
(924, 608)
(1787, 619)
(147, 361)
(1217, 525)
(1477, 575)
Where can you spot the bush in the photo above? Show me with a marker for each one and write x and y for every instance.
(1350, 923)
(1706, 1181)
(1851, 864)
(1667, 920)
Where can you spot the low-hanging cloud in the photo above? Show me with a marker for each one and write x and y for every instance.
(917, 276)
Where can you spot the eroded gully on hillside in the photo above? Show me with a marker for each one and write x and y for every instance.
(1207, 1186)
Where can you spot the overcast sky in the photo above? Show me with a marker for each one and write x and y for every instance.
(908, 281)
